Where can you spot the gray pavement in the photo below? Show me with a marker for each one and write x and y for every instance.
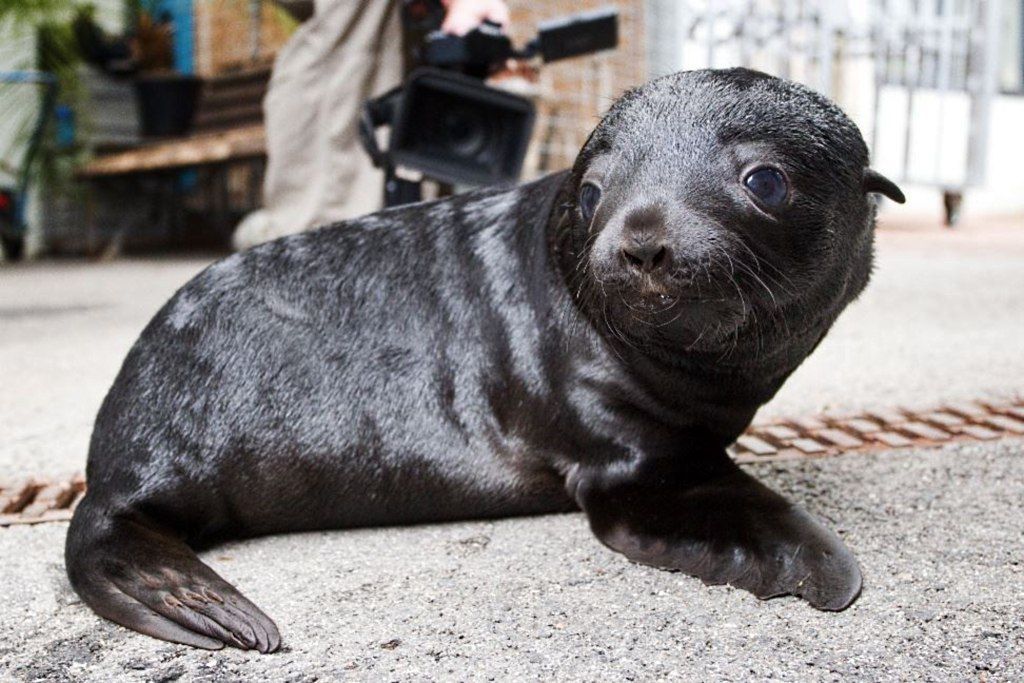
(940, 533)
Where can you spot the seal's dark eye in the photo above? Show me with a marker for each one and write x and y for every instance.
(590, 195)
(768, 185)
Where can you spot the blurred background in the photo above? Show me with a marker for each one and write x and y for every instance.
(140, 140)
(170, 153)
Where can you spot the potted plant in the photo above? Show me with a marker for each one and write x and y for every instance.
(167, 98)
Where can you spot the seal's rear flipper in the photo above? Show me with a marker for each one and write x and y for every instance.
(149, 581)
(717, 523)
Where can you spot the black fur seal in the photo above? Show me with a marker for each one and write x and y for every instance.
(594, 340)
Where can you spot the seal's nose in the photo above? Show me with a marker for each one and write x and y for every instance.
(644, 252)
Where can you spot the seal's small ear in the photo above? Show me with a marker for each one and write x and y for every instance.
(876, 182)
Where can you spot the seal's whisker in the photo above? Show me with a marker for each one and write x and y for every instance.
(760, 263)
(746, 269)
(700, 336)
(615, 333)
(775, 311)
(669, 322)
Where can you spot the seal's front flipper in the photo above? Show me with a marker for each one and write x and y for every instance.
(717, 523)
(145, 579)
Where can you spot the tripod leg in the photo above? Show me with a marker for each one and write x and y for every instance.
(399, 191)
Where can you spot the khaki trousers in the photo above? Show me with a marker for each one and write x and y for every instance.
(317, 172)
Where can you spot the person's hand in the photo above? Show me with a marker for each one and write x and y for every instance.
(465, 15)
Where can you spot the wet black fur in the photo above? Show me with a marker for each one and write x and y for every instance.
(476, 357)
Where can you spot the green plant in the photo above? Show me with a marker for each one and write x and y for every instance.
(57, 49)
(56, 52)
(21, 13)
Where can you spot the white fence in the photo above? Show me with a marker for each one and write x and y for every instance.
(919, 76)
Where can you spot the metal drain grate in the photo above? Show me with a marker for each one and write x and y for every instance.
(34, 501)
(877, 430)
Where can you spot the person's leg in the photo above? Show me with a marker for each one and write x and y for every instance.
(316, 170)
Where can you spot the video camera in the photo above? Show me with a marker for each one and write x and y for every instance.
(445, 123)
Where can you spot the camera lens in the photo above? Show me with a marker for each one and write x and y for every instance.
(457, 130)
(465, 132)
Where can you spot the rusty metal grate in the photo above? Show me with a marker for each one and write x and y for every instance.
(33, 501)
(884, 429)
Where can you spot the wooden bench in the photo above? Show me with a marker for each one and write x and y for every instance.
(152, 173)
(246, 143)
(229, 134)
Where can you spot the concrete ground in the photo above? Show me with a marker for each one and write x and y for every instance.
(940, 533)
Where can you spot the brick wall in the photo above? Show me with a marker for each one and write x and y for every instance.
(225, 40)
(573, 94)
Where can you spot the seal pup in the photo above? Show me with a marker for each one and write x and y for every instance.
(593, 340)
